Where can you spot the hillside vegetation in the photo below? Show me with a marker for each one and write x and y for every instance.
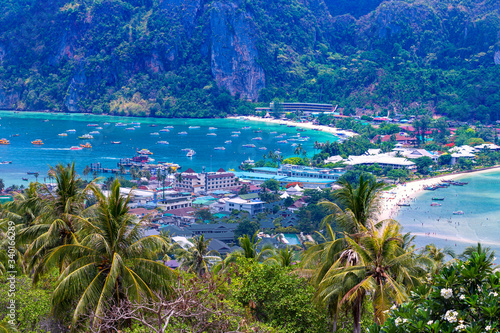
(205, 58)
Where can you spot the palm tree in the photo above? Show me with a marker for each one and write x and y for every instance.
(436, 256)
(381, 268)
(250, 248)
(479, 249)
(360, 204)
(197, 259)
(86, 171)
(110, 260)
(282, 257)
(54, 224)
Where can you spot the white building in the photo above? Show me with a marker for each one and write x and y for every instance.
(383, 160)
(251, 206)
(205, 181)
(462, 152)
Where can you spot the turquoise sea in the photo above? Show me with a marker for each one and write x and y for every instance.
(56, 149)
(480, 202)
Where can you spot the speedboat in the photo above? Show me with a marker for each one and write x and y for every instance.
(257, 131)
(236, 132)
(144, 151)
(14, 135)
(120, 125)
(71, 131)
(154, 133)
(92, 125)
(164, 130)
(99, 128)
(135, 123)
(169, 127)
(228, 142)
(94, 132)
(194, 127)
(116, 142)
(235, 135)
(4, 142)
(130, 129)
(220, 148)
(162, 142)
(212, 128)
(274, 132)
(85, 136)
(257, 138)
(435, 204)
(191, 153)
(106, 124)
(249, 145)
(437, 199)
(6, 162)
(282, 141)
(182, 133)
(262, 148)
(245, 128)
(76, 148)
(294, 145)
(37, 142)
(87, 145)
(458, 212)
(211, 134)
(186, 149)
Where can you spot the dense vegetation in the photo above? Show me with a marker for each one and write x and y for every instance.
(159, 57)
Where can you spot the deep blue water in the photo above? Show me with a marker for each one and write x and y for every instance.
(30, 126)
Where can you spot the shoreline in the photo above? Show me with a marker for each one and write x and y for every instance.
(389, 200)
(331, 130)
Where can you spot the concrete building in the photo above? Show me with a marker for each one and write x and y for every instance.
(205, 181)
(382, 160)
(174, 199)
(251, 206)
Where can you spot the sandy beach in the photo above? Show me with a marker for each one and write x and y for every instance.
(406, 192)
(308, 125)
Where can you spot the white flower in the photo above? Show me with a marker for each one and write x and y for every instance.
(495, 294)
(460, 327)
(405, 320)
(394, 307)
(462, 289)
(451, 316)
(446, 293)
(488, 328)
(397, 321)
(462, 297)
(430, 322)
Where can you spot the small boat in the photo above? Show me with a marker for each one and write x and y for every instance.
(130, 129)
(62, 134)
(294, 145)
(14, 135)
(25, 179)
(76, 148)
(300, 129)
(120, 125)
(45, 121)
(211, 134)
(169, 127)
(236, 132)
(162, 142)
(94, 132)
(144, 151)
(404, 204)
(99, 128)
(4, 142)
(92, 125)
(31, 173)
(116, 142)
(154, 133)
(6, 162)
(257, 138)
(435, 204)
(85, 137)
(458, 212)
(235, 135)
(87, 145)
(245, 128)
(437, 199)
(106, 124)
(430, 188)
(37, 142)
(153, 125)
(274, 132)
(194, 127)
(228, 141)
(282, 141)
(257, 131)
(182, 133)
(186, 149)
(164, 130)
(191, 153)
(135, 123)
(249, 145)
(212, 128)
(220, 148)
(71, 131)
(262, 148)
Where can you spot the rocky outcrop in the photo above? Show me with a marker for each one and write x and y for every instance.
(76, 91)
(234, 56)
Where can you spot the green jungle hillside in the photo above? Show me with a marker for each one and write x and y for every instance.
(210, 58)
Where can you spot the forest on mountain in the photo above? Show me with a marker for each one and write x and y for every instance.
(210, 58)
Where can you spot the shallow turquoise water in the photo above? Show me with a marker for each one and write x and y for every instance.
(480, 202)
(30, 126)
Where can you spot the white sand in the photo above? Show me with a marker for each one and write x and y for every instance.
(309, 125)
(404, 193)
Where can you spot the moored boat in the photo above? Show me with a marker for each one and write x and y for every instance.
(435, 204)
(437, 199)
(249, 145)
(87, 145)
(154, 133)
(211, 134)
(92, 125)
(162, 142)
(220, 148)
(182, 133)
(194, 127)
(228, 141)
(164, 130)
(71, 131)
(257, 138)
(245, 128)
(4, 142)
(130, 129)
(37, 142)
(85, 137)
(191, 153)
(62, 134)
(458, 212)
(144, 151)
(262, 148)
(212, 128)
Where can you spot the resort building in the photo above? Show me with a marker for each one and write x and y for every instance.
(205, 181)
(415, 153)
(173, 199)
(221, 231)
(298, 107)
(462, 152)
(382, 160)
(253, 206)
